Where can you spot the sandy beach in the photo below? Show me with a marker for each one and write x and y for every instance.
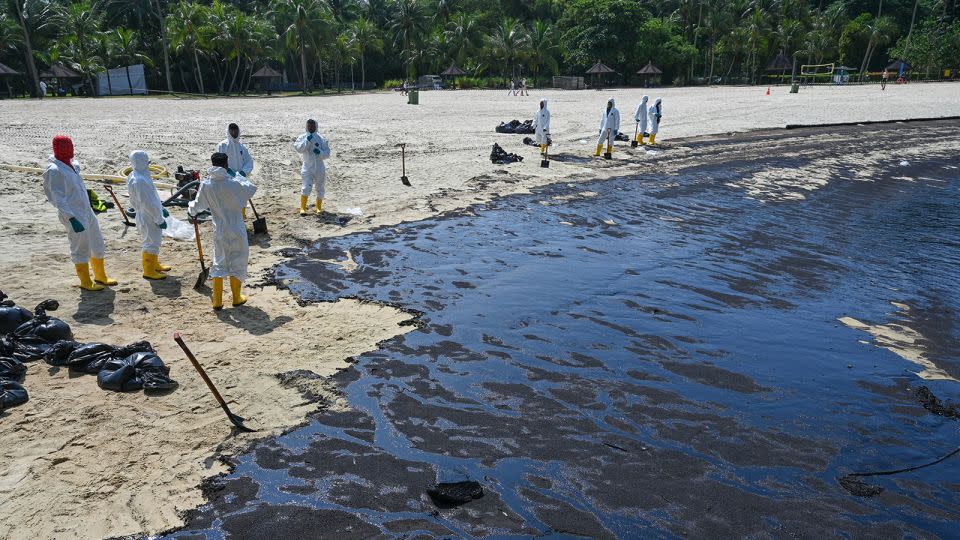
(81, 462)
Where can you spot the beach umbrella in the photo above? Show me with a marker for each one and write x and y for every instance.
(781, 63)
(650, 70)
(599, 69)
(900, 67)
(60, 71)
(267, 73)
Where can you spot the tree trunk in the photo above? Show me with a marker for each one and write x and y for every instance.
(196, 63)
(129, 82)
(913, 18)
(236, 70)
(363, 72)
(303, 64)
(28, 52)
(166, 47)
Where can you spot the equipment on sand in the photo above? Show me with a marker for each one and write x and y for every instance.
(204, 271)
(545, 162)
(116, 202)
(259, 223)
(403, 160)
(234, 419)
(104, 178)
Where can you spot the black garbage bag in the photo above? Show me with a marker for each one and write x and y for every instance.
(43, 326)
(501, 157)
(91, 357)
(11, 315)
(11, 394)
(141, 370)
(12, 369)
(517, 127)
(621, 136)
(59, 353)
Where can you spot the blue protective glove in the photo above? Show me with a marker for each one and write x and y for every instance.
(162, 225)
(77, 226)
(316, 151)
(231, 172)
(310, 137)
(165, 213)
(243, 174)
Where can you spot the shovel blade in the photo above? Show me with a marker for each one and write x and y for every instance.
(237, 421)
(405, 181)
(634, 144)
(260, 226)
(201, 279)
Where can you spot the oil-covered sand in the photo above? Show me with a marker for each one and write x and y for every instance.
(700, 352)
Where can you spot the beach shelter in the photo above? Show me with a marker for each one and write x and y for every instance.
(453, 71)
(781, 63)
(267, 74)
(650, 71)
(6, 72)
(599, 70)
(62, 74)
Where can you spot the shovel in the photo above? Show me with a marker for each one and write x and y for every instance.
(234, 419)
(116, 202)
(204, 271)
(545, 162)
(403, 159)
(259, 223)
(636, 131)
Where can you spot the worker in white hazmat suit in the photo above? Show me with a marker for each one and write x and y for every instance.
(66, 192)
(239, 159)
(151, 216)
(655, 113)
(641, 117)
(609, 127)
(225, 195)
(541, 126)
(313, 149)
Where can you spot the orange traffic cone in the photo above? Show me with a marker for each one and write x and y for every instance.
(768, 90)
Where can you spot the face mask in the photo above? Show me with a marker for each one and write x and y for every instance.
(311, 128)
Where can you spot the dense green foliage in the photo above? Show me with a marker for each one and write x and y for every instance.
(216, 46)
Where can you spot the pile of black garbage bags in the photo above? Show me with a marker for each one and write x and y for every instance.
(28, 337)
(517, 127)
(501, 157)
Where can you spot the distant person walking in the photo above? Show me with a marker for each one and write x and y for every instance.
(513, 88)
(523, 87)
(884, 79)
(43, 89)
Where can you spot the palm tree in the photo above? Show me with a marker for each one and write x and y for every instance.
(31, 16)
(125, 41)
(80, 26)
(343, 51)
(409, 24)
(302, 17)
(881, 31)
(543, 47)
(187, 27)
(508, 43)
(462, 36)
(367, 38)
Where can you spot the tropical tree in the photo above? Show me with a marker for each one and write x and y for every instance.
(508, 44)
(543, 48)
(366, 38)
(409, 26)
(126, 47)
(31, 17)
(462, 36)
(881, 31)
(80, 26)
(302, 16)
(187, 26)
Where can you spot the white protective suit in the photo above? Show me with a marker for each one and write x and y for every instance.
(225, 196)
(238, 156)
(146, 201)
(655, 111)
(641, 116)
(313, 149)
(67, 193)
(609, 124)
(541, 124)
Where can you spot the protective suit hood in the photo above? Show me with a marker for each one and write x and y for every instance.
(611, 103)
(657, 101)
(218, 173)
(231, 137)
(644, 99)
(140, 161)
(543, 104)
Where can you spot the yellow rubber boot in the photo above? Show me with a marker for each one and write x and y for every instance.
(599, 148)
(238, 299)
(640, 139)
(218, 293)
(83, 272)
(99, 274)
(150, 270)
(653, 138)
(543, 149)
(160, 267)
(319, 206)
(609, 148)
(303, 204)
(243, 211)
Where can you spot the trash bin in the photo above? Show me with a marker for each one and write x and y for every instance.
(413, 97)
(794, 88)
